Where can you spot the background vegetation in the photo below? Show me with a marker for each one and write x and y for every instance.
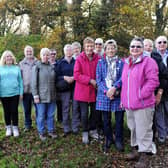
(53, 23)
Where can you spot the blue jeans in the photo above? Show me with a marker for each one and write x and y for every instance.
(27, 105)
(45, 116)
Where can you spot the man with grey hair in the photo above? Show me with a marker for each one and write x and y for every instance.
(99, 47)
(26, 66)
(160, 55)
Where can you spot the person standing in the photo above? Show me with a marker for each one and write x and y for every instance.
(44, 94)
(85, 88)
(11, 89)
(139, 81)
(160, 55)
(26, 66)
(108, 78)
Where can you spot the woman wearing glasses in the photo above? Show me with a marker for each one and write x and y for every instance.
(160, 55)
(139, 81)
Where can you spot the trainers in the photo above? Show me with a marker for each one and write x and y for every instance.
(15, 131)
(42, 137)
(154, 149)
(119, 146)
(8, 130)
(52, 135)
(85, 138)
(93, 134)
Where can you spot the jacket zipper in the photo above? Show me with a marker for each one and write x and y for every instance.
(128, 88)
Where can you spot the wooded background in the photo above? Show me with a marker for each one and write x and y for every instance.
(53, 23)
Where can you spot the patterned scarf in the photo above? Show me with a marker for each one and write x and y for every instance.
(111, 71)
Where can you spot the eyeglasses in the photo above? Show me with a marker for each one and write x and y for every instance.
(133, 46)
(98, 43)
(53, 53)
(162, 42)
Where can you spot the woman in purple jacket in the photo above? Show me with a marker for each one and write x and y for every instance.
(139, 80)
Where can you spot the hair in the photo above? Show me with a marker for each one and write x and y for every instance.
(6, 53)
(88, 40)
(44, 51)
(160, 37)
(76, 44)
(139, 39)
(111, 41)
(28, 47)
(66, 47)
(53, 50)
(149, 41)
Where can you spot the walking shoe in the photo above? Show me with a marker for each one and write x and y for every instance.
(119, 146)
(85, 138)
(143, 161)
(134, 155)
(15, 131)
(52, 135)
(8, 130)
(93, 134)
(106, 146)
(42, 137)
(154, 149)
(161, 140)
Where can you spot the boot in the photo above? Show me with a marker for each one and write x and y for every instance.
(15, 131)
(85, 137)
(8, 130)
(143, 161)
(134, 155)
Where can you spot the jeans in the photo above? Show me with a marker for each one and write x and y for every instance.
(45, 115)
(27, 105)
(119, 119)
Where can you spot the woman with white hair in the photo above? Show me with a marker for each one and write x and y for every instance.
(11, 88)
(108, 78)
(44, 94)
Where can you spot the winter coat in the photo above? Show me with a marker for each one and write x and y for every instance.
(139, 82)
(84, 71)
(103, 103)
(43, 82)
(26, 71)
(163, 74)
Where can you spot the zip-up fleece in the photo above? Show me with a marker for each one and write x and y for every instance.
(138, 83)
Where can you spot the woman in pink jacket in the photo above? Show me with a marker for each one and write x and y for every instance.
(85, 88)
(139, 80)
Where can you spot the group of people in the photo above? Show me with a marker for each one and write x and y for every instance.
(96, 82)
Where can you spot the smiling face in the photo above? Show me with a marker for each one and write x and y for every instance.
(9, 59)
(161, 44)
(68, 52)
(45, 57)
(110, 50)
(136, 48)
(148, 46)
(29, 53)
(89, 47)
(98, 47)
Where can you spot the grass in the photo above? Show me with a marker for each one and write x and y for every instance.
(28, 151)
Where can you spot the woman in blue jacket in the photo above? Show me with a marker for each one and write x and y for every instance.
(108, 78)
(11, 88)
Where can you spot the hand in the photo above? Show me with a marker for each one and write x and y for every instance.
(93, 83)
(36, 100)
(69, 79)
(159, 96)
(110, 93)
(21, 97)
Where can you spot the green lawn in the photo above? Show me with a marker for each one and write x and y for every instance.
(29, 151)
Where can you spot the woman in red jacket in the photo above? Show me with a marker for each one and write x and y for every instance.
(85, 88)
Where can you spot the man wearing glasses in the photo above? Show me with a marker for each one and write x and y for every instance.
(161, 113)
(99, 47)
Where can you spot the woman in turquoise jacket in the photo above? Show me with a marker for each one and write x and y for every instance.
(11, 88)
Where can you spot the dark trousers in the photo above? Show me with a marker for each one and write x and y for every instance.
(10, 106)
(119, 119)
(27, 105)
(88, 116)
(59, 107)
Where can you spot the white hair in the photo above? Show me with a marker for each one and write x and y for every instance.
(44, 51)
(28, 47)
(66, 47)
